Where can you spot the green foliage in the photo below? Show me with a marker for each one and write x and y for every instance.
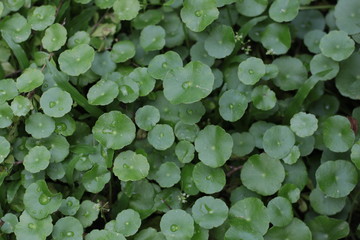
(179, 119)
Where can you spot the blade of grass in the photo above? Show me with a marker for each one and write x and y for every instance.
(62, 81)
(17, 50)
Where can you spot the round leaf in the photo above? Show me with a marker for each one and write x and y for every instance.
(56, 102)
(232, 105)
(188, 84)
(278, 141)
(30, 79)
(161, 137)
(54, 38)
(263, 98)
(221, 42)
(114, 130)
(214, 146)
(77, 60)
(37, 159)
(152, 38)
(39, 125)
(177, 225)
(284, 10)
(280, 211)
(127, 222)
(303, 124)
(129, 166)
(208, 180)
(68, 228)
(262, 174)
(336, 178)
(251, 70)
(337, 45)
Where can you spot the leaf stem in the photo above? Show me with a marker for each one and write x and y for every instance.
(233, 170)
(317, 7)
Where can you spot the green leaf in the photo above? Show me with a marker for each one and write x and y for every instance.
(96, 178)
(127, 222)
(6, 115)
(147, 117)
(168, 174)
(41, 17)
(77, 60)
(346, 16)
(30, 79)
(232, 105)
(296, 230)
(68, 228)
(250, 211)
(32, 228)
(62, 81)
(304, 124)
(103, 64)
(312, 40)
(55, 102)
(5, 148)
(337, 134)
(324, 67)
(17, 50)
(263, 98)
(177, 224)
(21, 106)
(39, 201)
(336, 178)
(214, 146)
(8, 89)
(251, 70)
(129, 166)
(208, 180)
(161, 137)
(152, 38)
(197, 15)
(103, 234)
(102, 92)
(251, 8)
(284, 10)
(54, 38)
(221, 42)
(244, 143)
(87, 213)
(10, 220)
(355, 154)
(290, 80)
(37, 159)
(188, 84)
(325, 205)
(17, 27)
(323, 227)
(278, 141)
(209, 212)
(122, 51)
(185, 151)
(39, 125)
(114, 130)
(69, 206)
(126, 9)
(262, 174)
(337, 45)
(161, 64)
(144, 80)
(276, 38)
(280, 211)
(348, 80)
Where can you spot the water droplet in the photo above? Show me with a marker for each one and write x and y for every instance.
(113, 124)
(52, 104)
(69, 203)
(86, 214)
(69, 234)
(199, 13)
(161, 135)
(44, 199)
(2, 92)
(124, 91)
(251, 71)
(231, 106)
(190, 111)
(61, 109)
(174, 228)
(164, 65)
(32, 225)
(186, 85)
(61, 127)
(125, 165)
(107, 131)
(209, 177)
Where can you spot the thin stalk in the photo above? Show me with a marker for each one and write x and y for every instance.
(317, 7)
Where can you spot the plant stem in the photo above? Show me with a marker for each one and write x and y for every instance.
(233, 170)
(317, 7)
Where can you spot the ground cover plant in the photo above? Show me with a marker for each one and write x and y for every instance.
(179, 119)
